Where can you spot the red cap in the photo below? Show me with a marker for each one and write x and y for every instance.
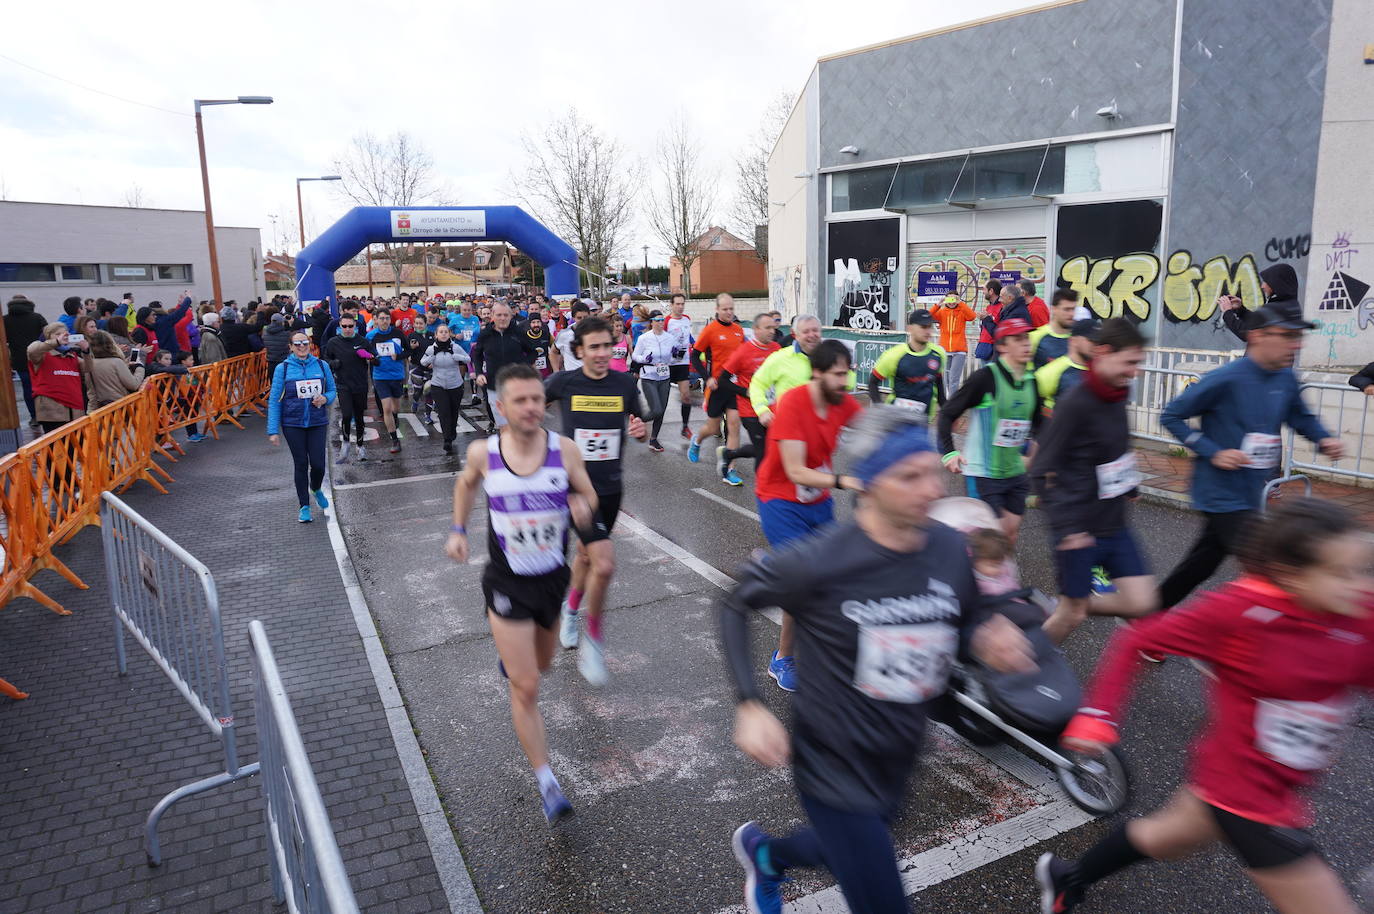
(1013, 327)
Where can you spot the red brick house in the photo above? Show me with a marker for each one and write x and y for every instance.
(727, 263)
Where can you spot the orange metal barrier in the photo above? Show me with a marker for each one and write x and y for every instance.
(50, 489)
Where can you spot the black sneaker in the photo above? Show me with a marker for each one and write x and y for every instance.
(1056, 896)
(655, 446)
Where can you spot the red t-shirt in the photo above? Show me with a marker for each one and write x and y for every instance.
(1039, 311)
(795, 419)
(741, 365)
(1285, 678)
(403, 319)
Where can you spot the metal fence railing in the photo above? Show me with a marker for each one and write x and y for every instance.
(1345, 413)
(307, 870)
(167, 601)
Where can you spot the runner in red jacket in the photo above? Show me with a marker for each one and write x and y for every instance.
(1288, 645)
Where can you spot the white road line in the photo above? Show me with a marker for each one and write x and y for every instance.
(725, 502)
(706, 570)
(394, 482)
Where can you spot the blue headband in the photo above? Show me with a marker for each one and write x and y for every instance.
(897, 446)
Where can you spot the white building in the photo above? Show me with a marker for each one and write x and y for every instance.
(50, 251)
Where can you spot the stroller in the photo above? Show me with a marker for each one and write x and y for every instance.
(1027, 709)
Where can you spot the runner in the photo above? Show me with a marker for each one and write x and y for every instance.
(499, 344)
(620, 347)
(741, 366)
(563, 342)
(1243, 406)
(533, 480)
(1288, 643)
(348, 358)
(883, 604)
(595, 403)
(679, 326)
(388, 371)
(916, 369)
(447, 362)
(653, 356)
(1084, 473)
(541, 342)
(785, 369)
(1050, 340)
(298, 408)
(1066, 372)
(717, 341)
(1006, 414)
(794, 481)
(403, 318)
(465, 325)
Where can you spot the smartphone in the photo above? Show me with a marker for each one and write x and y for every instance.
(74, 338)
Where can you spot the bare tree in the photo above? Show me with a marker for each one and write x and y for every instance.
(683, 196)
(390, 171)
(133, 197)
(582, 184)
(750, 209)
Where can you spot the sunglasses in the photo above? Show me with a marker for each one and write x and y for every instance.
(300, 342)
(347, 326)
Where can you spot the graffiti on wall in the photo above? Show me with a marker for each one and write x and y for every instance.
(1345, 309)
(862, 256)
(786, 288)
(1294, 247)
(1116, 286)
(973, 268)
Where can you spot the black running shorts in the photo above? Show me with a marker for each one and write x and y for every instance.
(678, 373)
(1260, 845)
(724, 397)
(516, 597)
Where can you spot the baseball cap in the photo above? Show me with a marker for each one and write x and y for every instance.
(1286, 315)
(1013, 327)
(1088, 327)
(278, 319)
(920, 316)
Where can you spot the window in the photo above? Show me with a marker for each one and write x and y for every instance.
(80, 272)
(864, 188)
(968, 179)
(175, 271)
(27, 272)
(925, 183)
(131, 272)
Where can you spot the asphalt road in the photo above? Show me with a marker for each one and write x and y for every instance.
(648, 762)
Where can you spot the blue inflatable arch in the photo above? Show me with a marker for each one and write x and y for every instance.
(364, 225)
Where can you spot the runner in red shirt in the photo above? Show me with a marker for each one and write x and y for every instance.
(1287, 645)
(740, 367)
(794, 480)
(403, 318)
(1039, 311)
(718, 340)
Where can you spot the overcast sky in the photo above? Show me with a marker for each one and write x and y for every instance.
(466, 79)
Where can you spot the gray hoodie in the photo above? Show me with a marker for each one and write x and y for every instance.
(448, 365)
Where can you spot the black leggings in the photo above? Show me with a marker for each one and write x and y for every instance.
(1221, 534)
(446, 403)
(758, 439)
(307, 452)
(656, 398)
(352, 407)
(857, 849)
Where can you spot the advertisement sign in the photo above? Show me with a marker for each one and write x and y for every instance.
(439, 223)
(936, 283)
(1005, 277)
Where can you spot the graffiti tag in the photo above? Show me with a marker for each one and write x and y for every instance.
(1294, 248)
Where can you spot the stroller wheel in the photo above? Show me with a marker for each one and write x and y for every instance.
(1100, 784)
(972, 727)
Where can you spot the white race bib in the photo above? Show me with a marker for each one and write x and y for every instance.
(309, 389)
(917, 405)
(654, 372)
(598, 443)
(807, 494)
(387, 348)
(1299, 734)
(467, 335)
(904, 663)
(1263, 450)
(534, 533)
(540, 362)
(1011, 432)
(1117, 477)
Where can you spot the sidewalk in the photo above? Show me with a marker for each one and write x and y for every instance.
(83, 760)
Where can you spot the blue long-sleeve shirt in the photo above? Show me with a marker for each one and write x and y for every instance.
(166, 325)
(1233, 401)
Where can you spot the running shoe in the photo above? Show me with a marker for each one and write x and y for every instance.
(567, 628)
(448, 447)
(687, 432)
(343, 453)
(1102, 584)
(762, 892)
(1055, 896)
(731, 478)
(362, 454)
(722, 465)
(556, 806)
(320, 499)
(591, 661)
(694, 451)
(304, 517)
(395, 446)
(655, 446)
(196, 437)
(784, 670)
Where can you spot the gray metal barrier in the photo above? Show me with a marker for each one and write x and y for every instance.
(167, 601)
(1153, 390)
(307, 870)
(1345, 412)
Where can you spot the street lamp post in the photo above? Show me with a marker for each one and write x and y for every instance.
(205, 177)
(644, 278)
(300, 210)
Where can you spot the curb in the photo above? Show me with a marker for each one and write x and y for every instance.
(1164, 497)
(443, 847)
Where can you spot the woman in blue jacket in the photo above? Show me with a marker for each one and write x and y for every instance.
(298, 407)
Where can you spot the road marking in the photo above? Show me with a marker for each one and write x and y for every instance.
(725, 502)
(395, 482)
(706, 570)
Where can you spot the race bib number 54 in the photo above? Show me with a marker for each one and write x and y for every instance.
(904, 663)
(598, 444)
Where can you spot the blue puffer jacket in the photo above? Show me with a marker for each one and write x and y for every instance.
(287, 406)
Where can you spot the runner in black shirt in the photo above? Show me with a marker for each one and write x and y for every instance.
(595, 403)
(882, 606)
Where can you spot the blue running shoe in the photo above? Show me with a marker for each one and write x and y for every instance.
(1102, 584)
(304, 517)
(197, 437)
(731, 478)
(762, 892)
(556, 806)
(320, 499)
(784, 670)
(694, 451)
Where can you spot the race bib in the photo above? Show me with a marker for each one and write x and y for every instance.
(904, 663)
(1299, 734)
(309, 389)
(598, 444)
(467, 335)
(529, 534)
(806, 494)
(540, 362)
(1263, 450)
(655, 372)
(1011, 432)
(1118, 477)
(387, 348)
(918, 406)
